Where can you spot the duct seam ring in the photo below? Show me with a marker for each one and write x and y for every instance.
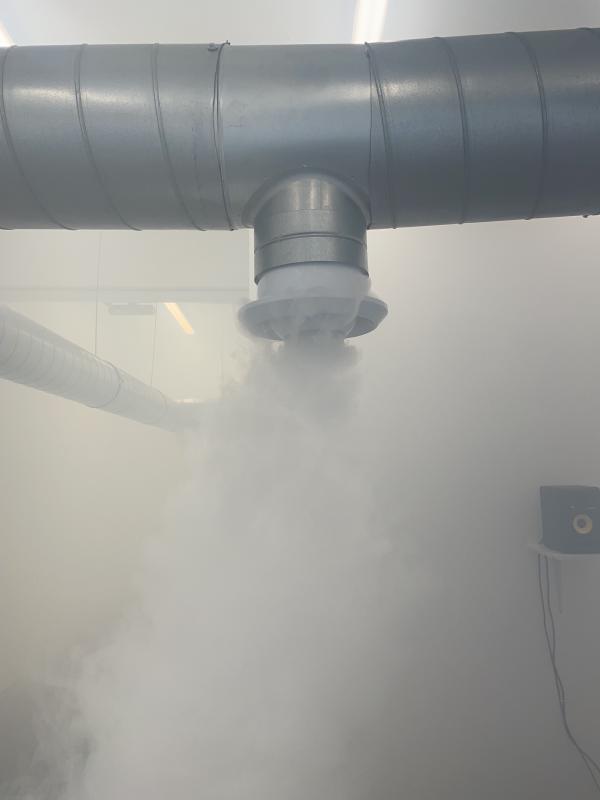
(310, 235)
(12, 149)
(466, 139)
(218, 135)
(544, 115)
(385, 124)
(87, 145)
(119, 387)
(164, 146)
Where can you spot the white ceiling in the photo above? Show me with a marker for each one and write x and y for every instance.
(412, 19)
(256, 22)
(274, 21)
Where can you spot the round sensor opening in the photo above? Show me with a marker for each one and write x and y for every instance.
(583, 524)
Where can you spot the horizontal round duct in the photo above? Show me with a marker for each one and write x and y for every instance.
(340, 138)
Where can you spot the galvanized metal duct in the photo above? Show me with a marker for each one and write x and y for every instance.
(190, 136)
(32, 355)
(310, 144)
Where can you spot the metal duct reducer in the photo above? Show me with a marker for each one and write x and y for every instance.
(309, 145)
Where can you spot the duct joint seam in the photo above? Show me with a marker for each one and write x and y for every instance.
(16, 367)
(218, 139)
(311, 235)
(87, 145)
(164, 145)
(12, 149)
(387, 139)
(14, 348)
(531, 55)
(466, 139)
(117, 393)
(48, 370)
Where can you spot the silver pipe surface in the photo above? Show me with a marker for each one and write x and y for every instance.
(422, 132)
(35, 356)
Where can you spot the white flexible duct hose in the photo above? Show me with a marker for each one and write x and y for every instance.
(34, 356)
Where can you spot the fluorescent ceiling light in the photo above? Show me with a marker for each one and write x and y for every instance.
(5, 39)
(369, 19)
(179, 317)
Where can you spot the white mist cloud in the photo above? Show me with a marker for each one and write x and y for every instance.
(263, 660)
(342, 603)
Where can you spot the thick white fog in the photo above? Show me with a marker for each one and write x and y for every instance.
(337, 601)
(341, 602)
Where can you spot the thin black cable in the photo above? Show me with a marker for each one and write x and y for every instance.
(550, 634)
(550, 631)
(551, 641)
(97, 292)
(550, 614)
(154, 344)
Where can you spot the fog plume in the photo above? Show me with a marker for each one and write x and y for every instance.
(342, 604)
(272, 627)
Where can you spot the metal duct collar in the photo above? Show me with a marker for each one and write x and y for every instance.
(310, 260)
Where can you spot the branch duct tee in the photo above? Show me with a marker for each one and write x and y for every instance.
(310, 261)
(346, 137)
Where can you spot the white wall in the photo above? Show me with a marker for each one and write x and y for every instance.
(79, 491)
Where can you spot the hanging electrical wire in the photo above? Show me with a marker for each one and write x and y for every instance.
(97, 298)
(551, 641)
(152, 368)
